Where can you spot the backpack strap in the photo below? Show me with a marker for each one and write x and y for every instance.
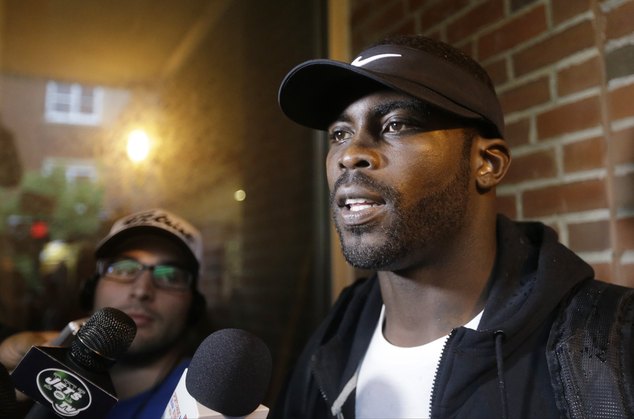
(590, 352)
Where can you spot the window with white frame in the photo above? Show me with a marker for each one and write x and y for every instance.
(75, 170)
(72, 103)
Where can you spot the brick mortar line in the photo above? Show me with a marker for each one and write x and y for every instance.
(567, 179)
(599, 24)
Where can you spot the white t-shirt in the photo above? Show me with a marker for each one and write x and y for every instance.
(396, 382)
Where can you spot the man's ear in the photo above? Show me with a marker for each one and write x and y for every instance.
(492, 162)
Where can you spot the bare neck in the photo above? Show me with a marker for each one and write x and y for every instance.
(426, 302)
(130, 379)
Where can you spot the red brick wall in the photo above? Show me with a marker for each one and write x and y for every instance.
(564, 71)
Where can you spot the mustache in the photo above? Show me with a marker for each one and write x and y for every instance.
(139, 309)
(361, 179)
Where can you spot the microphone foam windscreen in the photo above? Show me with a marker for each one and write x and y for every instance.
(106, 335)
(230, 372)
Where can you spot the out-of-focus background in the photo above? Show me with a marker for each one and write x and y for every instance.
(108, 107)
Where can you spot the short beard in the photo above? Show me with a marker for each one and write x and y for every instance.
(151, 353)
(433, 219)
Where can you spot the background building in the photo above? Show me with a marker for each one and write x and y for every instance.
(199, 78)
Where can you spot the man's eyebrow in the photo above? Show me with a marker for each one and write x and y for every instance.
(343, 117)
(385, 108)
(408, 104)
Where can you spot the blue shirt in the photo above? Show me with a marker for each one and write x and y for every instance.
(151, 403)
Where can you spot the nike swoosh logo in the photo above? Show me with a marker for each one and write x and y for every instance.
(360, 62)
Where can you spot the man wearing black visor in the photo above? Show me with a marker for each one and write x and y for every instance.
(469, 314)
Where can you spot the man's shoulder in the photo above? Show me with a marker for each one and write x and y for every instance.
(152, 402)
(591, 342)
(596, 306)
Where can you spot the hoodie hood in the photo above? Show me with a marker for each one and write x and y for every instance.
(533, 273)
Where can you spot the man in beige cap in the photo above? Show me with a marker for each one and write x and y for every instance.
(148, 267)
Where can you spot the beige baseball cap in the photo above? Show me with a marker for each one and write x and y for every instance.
(158, 221)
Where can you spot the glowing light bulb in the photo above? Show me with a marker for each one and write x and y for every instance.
(240, 195)
(138, 145)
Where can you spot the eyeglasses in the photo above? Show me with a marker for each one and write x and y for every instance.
(166, 276)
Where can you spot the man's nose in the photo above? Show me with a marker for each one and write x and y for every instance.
(143, 285)
(359, 153)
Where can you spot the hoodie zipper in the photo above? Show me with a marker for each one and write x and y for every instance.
(499, 337)
(442, 359)
(323, 396)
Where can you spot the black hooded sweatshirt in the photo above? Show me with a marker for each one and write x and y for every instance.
(500, 370)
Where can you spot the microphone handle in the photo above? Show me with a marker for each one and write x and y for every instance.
(66, 336)
(39, 411)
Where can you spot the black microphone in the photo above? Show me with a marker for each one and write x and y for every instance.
(8, 403)
(228, 376)
(75, 381)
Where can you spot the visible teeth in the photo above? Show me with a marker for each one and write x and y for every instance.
(358, 204)
(359, 207)
(352, 201)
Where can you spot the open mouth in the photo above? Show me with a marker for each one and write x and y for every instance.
(359, 204)
(363, 208)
